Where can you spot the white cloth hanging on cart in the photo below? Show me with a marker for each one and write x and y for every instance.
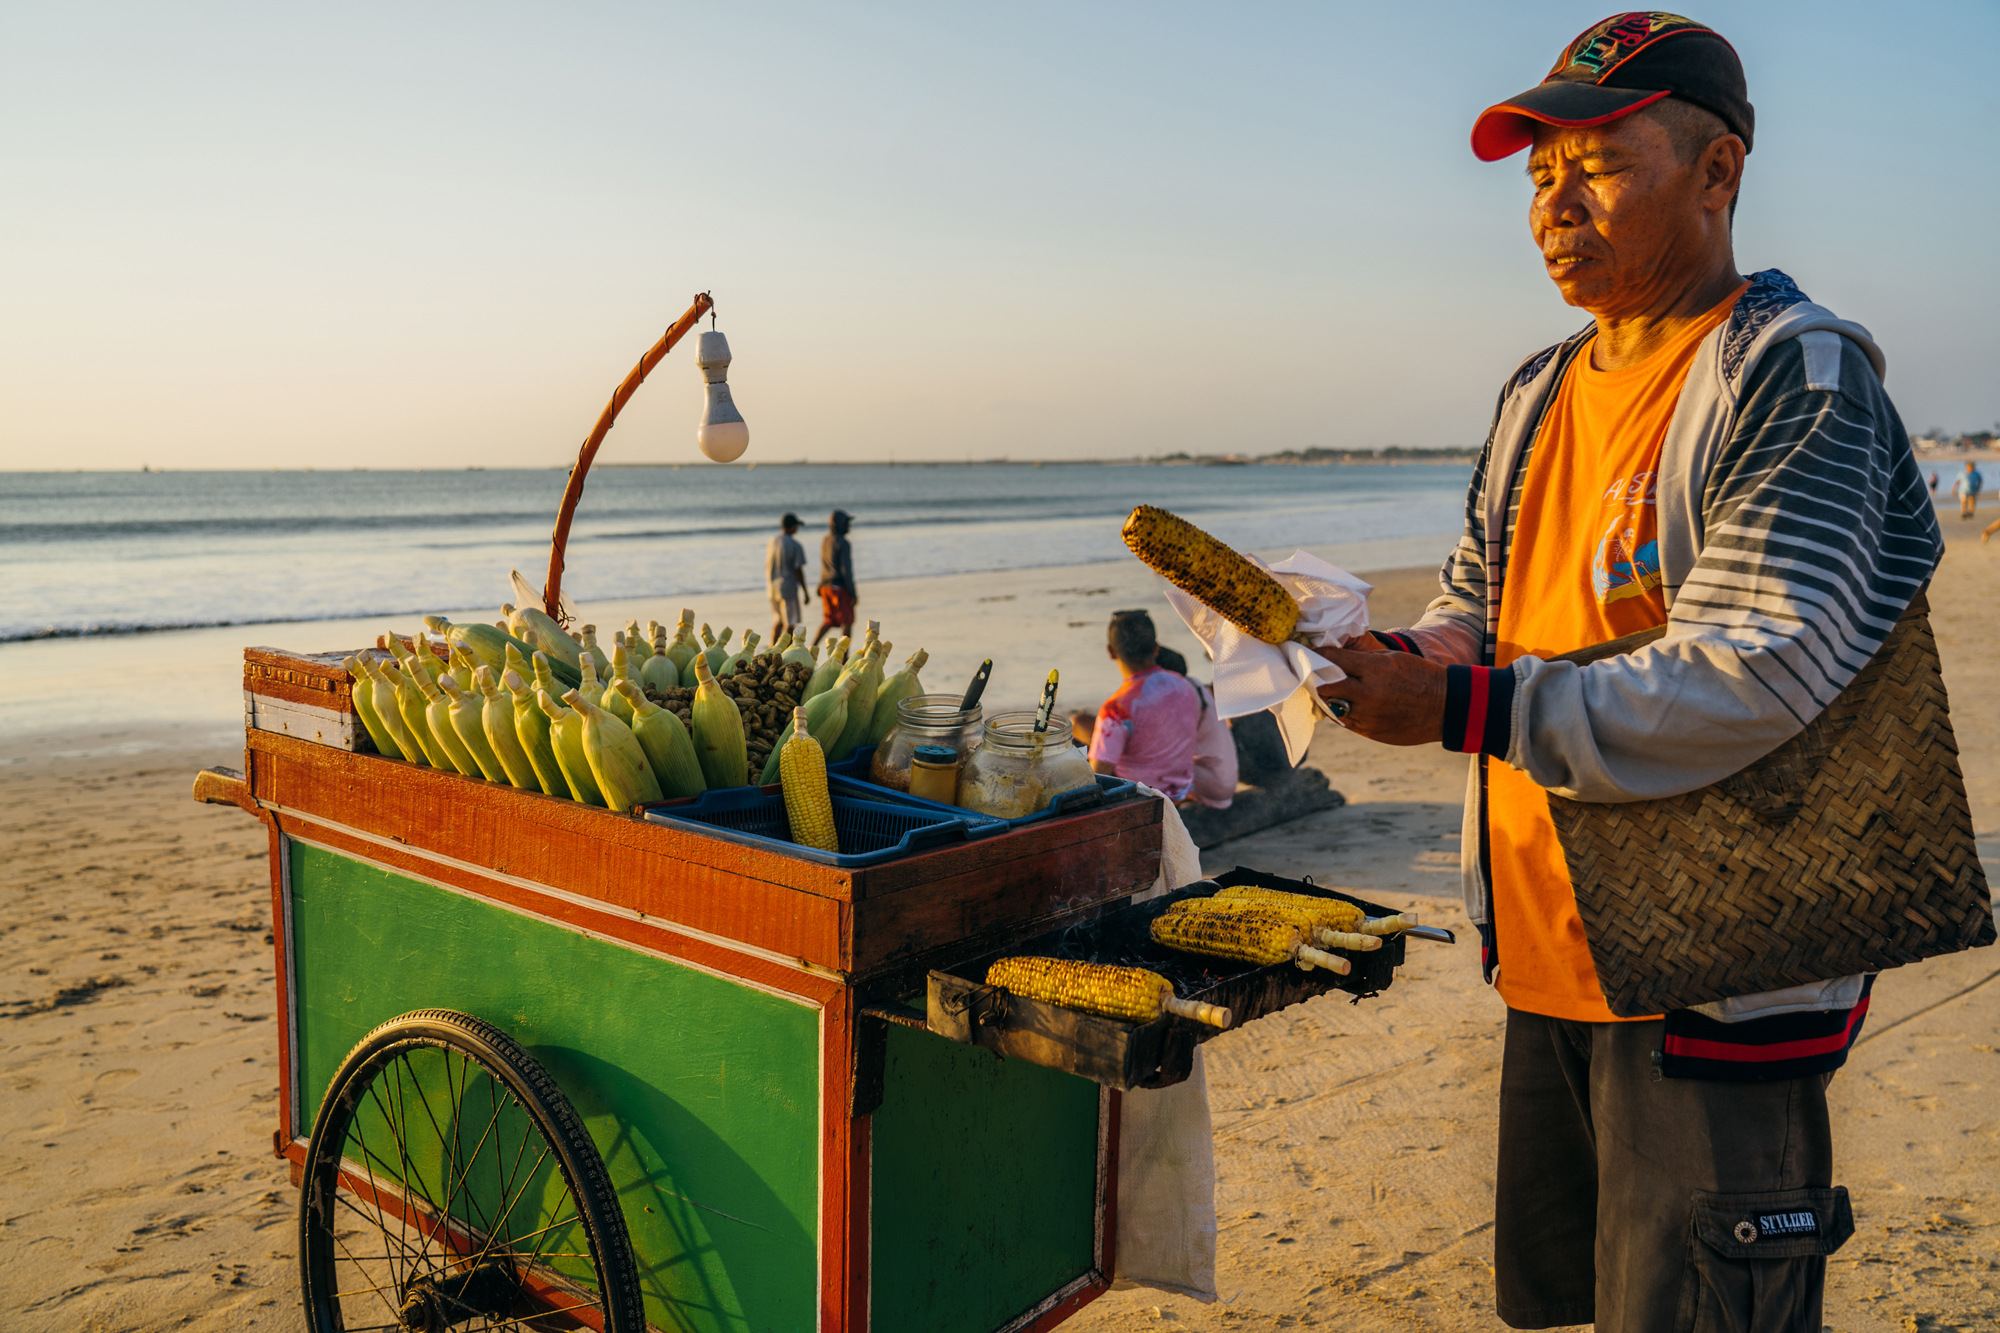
(1166, 1144)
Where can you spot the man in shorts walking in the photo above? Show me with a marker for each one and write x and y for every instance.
(785, 578)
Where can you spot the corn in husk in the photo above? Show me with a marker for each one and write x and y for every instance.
(718, 731)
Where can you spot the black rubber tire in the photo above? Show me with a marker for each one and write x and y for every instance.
(502, 1058)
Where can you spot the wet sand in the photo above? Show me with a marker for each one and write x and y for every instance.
(1354, 1142)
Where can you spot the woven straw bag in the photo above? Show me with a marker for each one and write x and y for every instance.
(1847, 849)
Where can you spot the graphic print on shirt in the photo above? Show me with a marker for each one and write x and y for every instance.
(1626, 562)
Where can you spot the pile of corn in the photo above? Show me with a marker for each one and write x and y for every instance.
(527, 703)
(1129, 994)
(1247, 930)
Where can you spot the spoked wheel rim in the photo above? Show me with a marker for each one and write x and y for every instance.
(450, 1185)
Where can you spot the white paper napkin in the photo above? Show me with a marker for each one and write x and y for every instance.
(1252, 676)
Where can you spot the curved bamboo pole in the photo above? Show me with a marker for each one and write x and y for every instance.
(552, 590)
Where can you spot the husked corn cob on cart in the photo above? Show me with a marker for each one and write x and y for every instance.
(622, 1073)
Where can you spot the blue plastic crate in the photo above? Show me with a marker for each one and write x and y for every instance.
(871, 831)
(849, 780)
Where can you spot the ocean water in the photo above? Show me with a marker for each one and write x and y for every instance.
(86, 553)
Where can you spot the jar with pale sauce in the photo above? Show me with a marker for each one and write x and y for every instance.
(1015, 773)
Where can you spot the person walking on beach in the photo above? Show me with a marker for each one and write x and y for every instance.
(1966, 487)
(785, 578)
(837, 593)
(1934, 482)
(1713, 454)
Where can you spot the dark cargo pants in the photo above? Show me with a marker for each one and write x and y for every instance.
(1653, 1205)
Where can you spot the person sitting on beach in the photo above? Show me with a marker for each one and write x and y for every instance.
(1215, 765)
(837, 593)
(1146, 731)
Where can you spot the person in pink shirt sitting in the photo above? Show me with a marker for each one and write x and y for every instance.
(1215, 768)
(1146, 731)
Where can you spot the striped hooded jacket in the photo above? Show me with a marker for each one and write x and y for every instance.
(1794, 528)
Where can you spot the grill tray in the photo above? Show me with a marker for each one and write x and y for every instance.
(1133, 1055)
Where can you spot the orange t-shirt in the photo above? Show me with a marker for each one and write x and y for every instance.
(1584, 567)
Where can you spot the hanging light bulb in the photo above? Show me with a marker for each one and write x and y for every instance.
(722, 435)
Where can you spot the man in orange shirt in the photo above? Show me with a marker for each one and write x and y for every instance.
(1713, 454)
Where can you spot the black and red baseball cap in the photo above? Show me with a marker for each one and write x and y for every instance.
(1614, 68)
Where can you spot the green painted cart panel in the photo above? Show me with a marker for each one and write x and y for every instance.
(985, 1186)
(702, 1094)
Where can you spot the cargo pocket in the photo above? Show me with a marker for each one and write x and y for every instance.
(1757, 1262)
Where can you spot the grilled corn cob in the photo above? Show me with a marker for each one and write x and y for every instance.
(617, 760)
(496, 721)
(532, 730)
(1333, 918)
(1324, 922)
(718, 731)
(363, 693)
(665, 742)
(465, 713)
(1250, 936)
(1129, 994)
(566, 738)
(802, 776)
(1212, 574)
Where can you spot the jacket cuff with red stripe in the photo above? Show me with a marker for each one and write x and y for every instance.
(1478, 709)
(1401, 643)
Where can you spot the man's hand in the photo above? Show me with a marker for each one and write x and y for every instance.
(1395, 698)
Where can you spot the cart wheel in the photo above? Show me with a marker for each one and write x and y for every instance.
(449, 1183)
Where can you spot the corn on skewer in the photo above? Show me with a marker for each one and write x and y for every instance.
(1249, 936)
(1129, 994)
(1388, 925)
(1213, 574)
(1327, 922)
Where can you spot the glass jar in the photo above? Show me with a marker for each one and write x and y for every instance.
(1010, 776)
(924, 719)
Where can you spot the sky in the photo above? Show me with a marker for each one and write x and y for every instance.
(396, 235)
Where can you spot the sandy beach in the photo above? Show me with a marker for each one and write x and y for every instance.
(1354, 1143)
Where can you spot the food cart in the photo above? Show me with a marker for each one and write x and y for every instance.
(551, 1063)
(548, 1065)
